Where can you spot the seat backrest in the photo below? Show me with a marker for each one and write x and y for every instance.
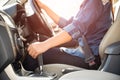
(112, 36)
(110, 60)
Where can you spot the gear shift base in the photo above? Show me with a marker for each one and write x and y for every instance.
(44, 75)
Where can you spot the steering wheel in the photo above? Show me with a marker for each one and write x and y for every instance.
(38, 22)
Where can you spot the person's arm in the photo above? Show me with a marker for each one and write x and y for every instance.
(37, 48)
(50, 13)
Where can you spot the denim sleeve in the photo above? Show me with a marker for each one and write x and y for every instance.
(73, 31)
(63, 22)
(87, 15)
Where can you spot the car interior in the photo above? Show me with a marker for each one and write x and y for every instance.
(17, 18)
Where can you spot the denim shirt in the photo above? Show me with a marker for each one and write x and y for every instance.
(92, 20)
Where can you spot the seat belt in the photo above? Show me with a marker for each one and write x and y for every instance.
(89, 56)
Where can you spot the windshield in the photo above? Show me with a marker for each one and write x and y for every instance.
(2, 2)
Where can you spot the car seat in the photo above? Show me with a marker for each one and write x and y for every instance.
(109, 51)
(109, 48)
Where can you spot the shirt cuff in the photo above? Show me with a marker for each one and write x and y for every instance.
(62, 22)
(73, 31)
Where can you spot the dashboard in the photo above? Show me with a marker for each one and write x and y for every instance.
(11, 6)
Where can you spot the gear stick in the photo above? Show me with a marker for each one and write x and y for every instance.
(40, 64)
(40, 59)
(41, 72)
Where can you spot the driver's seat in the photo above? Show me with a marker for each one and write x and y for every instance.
(109, 51)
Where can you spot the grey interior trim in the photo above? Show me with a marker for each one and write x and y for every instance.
(90, 75)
